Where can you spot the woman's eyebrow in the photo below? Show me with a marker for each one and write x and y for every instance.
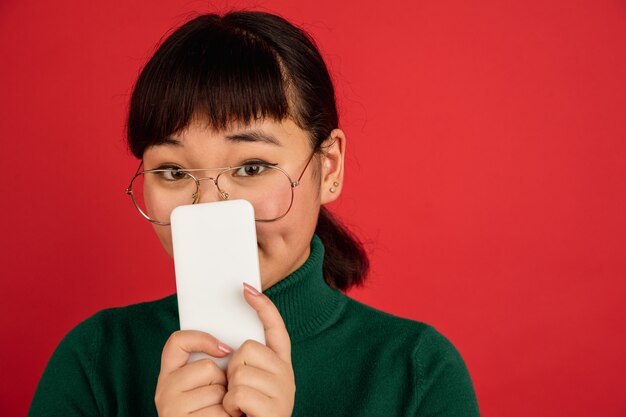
(254, 136)
(247, 136)
(170, 141)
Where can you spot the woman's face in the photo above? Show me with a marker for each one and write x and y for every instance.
(284, 244)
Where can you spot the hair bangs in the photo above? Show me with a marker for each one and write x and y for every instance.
(211, 69)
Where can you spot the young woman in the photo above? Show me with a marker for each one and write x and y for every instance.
(244, 103)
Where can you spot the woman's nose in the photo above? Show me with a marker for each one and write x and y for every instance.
(208, 191)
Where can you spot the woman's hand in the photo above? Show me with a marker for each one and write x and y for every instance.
(261, 382)
(197, 387)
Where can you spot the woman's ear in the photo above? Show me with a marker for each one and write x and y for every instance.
(334, 149)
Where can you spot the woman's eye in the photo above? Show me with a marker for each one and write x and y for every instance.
(250, 170)
(173, 174)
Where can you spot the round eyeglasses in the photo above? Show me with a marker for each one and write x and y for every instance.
(269, 188)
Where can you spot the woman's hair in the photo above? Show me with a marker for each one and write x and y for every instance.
(237, 68)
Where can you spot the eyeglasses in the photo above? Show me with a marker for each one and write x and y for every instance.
(269, 188)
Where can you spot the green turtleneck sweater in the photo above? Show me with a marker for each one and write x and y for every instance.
(349, 359)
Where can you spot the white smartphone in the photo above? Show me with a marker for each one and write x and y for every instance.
(215, 251)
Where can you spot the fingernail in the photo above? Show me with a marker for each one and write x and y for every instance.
(224, 348)
(251, 289)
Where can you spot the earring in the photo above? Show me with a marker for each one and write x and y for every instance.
(332, 189)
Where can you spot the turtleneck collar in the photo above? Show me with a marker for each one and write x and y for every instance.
(305, 301)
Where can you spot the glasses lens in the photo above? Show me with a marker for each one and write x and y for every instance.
(157, 193)
(266, 187)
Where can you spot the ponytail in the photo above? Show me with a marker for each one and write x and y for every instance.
(345, 261)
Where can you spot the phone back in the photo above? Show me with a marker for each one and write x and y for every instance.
(215, 251)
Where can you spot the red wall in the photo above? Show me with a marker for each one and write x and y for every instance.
(486, 173)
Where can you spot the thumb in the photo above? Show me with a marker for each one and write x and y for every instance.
(276, 336)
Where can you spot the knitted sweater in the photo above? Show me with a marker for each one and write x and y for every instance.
(348, 359)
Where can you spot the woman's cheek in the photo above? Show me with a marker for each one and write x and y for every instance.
(164, 233)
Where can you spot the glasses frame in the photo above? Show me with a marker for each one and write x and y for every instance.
(223, 195)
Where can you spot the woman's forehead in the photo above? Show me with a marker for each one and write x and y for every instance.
(261, 133)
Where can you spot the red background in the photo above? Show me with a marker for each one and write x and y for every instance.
(486, 172)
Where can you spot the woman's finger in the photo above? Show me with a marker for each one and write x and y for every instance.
(203, 397)
(257, 379)
(196, 374)
(183, 342)
(244, 399)
(216, 410)
(253, 353)
(276, 336)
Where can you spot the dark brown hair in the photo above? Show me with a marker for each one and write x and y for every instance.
(235, 68)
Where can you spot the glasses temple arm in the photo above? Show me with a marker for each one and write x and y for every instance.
(136, 172)
(306, 166)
